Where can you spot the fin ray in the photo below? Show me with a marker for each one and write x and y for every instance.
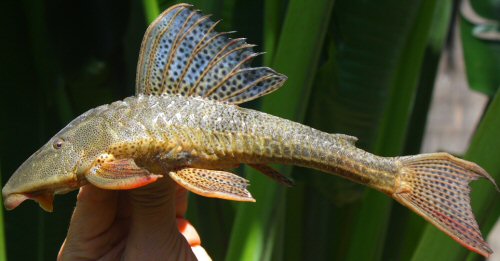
(182, 89)
(149, 65)
(213, 183)
(182, 54)
(119, 174)
(254, 89)
(273, 174)
(436, 187)
(220, 59)
(172, 53)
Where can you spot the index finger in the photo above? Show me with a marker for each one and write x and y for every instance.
(181, 201)
(95, 208)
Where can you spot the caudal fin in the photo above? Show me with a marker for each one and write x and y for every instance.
(436, 186)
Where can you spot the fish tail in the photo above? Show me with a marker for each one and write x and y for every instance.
(436, 186)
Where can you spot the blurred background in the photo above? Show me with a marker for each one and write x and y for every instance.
(403, 76)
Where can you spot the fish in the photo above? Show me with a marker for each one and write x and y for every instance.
(185, 123)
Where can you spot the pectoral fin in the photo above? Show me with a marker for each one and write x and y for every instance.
(273, 174)
(213, 183)
(120, 174)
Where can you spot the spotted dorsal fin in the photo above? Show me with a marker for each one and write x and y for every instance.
(350, 139)
(182, 54)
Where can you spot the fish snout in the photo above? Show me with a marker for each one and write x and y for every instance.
(11, 201)
(13, 196)
(44, 199)
(47, 172)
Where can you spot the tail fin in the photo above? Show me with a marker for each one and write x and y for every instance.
(436, 186)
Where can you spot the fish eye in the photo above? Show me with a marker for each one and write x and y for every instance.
(58, 143)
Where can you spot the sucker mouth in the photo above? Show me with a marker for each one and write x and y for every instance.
(44, 199)
(13, 200)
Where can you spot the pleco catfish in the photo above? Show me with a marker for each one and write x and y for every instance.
(184, 122)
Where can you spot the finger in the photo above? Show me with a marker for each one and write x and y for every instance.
(153, 229)
(192, 237)
(107, 246)
(181, 201)
(200, 253)
(95, 209)
(154, 202)
(188, 231)
(93, 229)
(124, 209)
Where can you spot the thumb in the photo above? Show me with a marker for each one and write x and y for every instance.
(153, 231)
(192, 237)
(186, 229)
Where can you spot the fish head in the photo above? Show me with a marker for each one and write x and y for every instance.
(57, 167)
(49, 170)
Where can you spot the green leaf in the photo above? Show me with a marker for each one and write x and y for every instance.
(253, 224)
(273, 18)
(3, 250)
(482, 57)
(152, 10)
(20, 226)
(379, 55)
(483, 150)
(403, 222)
(36, 102)
(212, 219)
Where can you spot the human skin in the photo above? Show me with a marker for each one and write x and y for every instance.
(141, 224)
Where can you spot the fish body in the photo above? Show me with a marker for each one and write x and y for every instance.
(171, 132)
(208, 134)
(184, 122)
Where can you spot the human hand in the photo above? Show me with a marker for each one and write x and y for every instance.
(141, 224)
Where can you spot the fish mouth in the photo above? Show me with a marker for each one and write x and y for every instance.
(44, 199)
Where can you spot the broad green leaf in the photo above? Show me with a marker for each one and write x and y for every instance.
(273, 18)
(3, 250)
(402, 221)
(47, 68)
(378, 55)
(319, 218)
(21, 225)
(152, 10)
(212, 219)
(482, 57)
(483, 150)
(44, 65)
(296, 56)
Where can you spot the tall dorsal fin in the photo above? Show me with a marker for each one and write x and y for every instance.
(351, 139)
(182, 54)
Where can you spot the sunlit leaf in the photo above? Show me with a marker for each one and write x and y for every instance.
(255, 223)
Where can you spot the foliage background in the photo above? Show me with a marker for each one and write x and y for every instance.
(364, 68)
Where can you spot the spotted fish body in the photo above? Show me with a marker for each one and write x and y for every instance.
(184, 123)
(207, 134)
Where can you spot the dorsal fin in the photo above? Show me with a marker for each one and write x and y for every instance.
(182, 54)
(350, 139)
